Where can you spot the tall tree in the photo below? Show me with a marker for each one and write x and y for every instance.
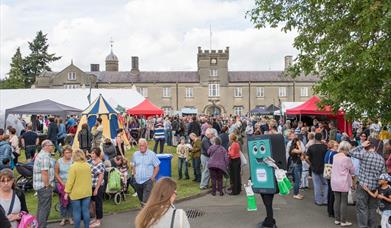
(16, 75)
(346, 43)
(39, 58)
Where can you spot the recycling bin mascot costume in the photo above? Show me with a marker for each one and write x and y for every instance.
(267, 160)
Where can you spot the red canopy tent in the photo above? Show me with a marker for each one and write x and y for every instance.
(310, 107)
(145, 108)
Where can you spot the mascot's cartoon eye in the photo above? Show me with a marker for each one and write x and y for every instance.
(255, 149)
(262, 148)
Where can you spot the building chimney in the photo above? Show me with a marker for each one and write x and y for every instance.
(288, 61)
(135, 64)
(94, 67)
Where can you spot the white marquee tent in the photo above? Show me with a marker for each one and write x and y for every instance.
(77, 98)
(287, 105)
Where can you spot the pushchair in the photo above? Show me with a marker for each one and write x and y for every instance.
(115, 185)
(25, 180)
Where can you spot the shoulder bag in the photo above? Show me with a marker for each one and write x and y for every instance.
(173, 219)
(327, 168)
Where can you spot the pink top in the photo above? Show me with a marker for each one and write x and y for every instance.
(341, 173)
(388, 164)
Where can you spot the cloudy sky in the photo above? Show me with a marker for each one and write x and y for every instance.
(165, 34)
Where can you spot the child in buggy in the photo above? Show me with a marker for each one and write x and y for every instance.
(117, 172)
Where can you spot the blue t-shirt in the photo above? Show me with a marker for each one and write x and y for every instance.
(328, 158)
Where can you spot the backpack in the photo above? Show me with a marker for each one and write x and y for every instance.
(114, 182)
(27, 221)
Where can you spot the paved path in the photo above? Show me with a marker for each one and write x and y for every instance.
(230, 211)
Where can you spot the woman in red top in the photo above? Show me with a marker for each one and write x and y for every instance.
(234, 165)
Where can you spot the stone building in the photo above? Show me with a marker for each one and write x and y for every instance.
(211, 89)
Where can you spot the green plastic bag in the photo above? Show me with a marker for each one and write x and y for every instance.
(251, 201)
(114, 181)
(288, 183)
(283, 187)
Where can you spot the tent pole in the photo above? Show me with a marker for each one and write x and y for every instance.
(300, 118)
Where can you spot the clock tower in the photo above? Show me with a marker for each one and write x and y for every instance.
(213, 66)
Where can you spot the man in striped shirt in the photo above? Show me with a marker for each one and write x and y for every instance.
(159, 136)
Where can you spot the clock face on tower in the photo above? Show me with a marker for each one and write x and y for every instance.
(213, 61)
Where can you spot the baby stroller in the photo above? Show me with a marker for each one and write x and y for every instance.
(25, 180)
(115, 185)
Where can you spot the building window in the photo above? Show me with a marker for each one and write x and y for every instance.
(282, 92)
(213, 61)
(238, 92)
(71, 86)
(238, 110)
(166, 92)
(260, 92)
(213, 73)
(304, 92)
(167, 110)
(71, 76)
(143, 91)
(189, 92)
(214, 90)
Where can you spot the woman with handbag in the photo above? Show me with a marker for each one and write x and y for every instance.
(328, 162)
(159, 211)
(296, 152)
(61, 170)
(12, 200)
(341, 181)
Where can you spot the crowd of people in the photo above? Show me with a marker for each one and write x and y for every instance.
(344, 169)
(340, 165)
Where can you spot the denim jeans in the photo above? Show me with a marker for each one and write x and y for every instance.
(183, 162)
(66, 212)
(384, 219)
(44, 205)
(168, 136)
(366, 209)
(197, 169)
(205, 172)
(320, 188)
(30, 151)
(297, 169)
(81, 209)
(57, 146)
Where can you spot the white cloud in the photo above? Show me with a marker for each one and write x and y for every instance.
(165, 34)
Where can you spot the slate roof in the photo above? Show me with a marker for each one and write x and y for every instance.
(186, 76)
(146, 77)
(266, 76)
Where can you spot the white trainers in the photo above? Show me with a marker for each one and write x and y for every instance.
(346, 223)
(337, 222)
(298, 196)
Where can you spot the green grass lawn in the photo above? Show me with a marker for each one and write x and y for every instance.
(185, 188)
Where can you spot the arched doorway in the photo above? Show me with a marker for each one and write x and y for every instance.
(213, 109)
